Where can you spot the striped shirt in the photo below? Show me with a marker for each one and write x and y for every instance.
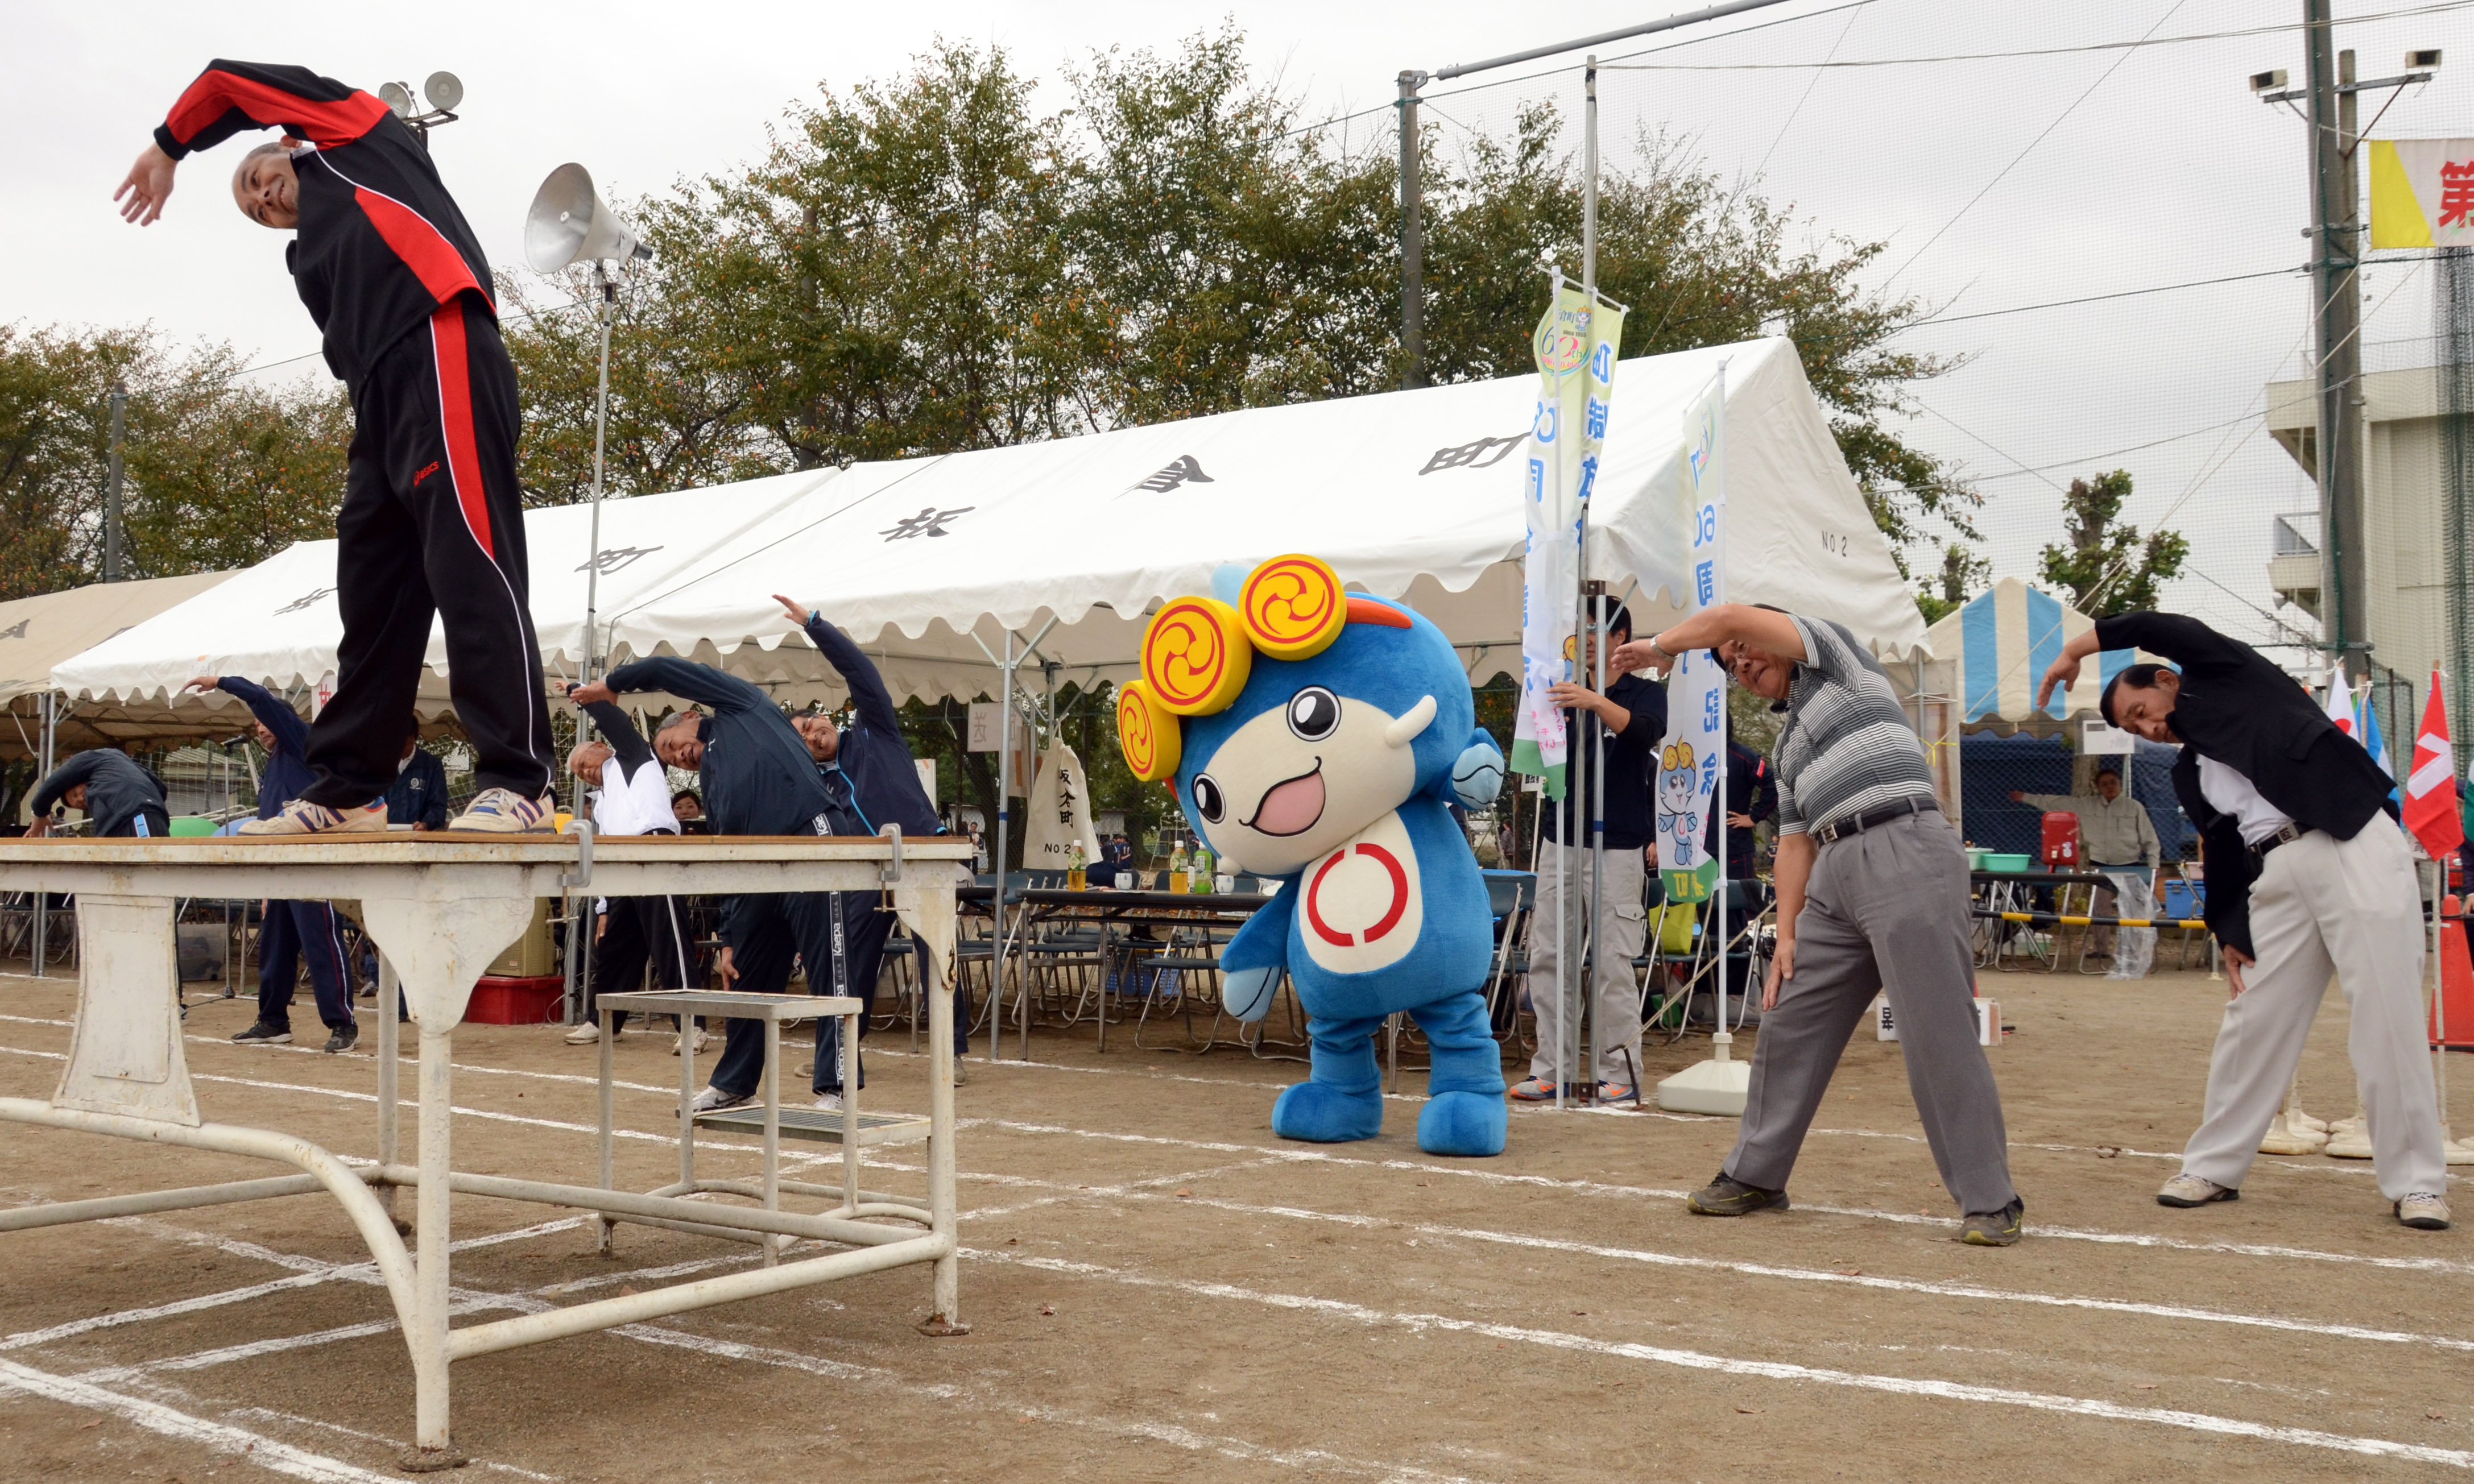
(1848, 747)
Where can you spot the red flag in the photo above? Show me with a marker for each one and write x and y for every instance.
(2431, 788)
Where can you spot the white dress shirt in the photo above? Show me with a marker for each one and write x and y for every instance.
(2229, 792)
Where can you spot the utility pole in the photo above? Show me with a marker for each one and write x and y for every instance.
(111, 488)
(1413, 266)
(2336, 282)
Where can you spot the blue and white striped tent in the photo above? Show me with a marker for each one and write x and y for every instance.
(1990, 654)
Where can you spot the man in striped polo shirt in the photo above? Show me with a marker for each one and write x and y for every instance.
(1872, 899)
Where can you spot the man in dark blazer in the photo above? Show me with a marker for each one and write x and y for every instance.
(2308, 875)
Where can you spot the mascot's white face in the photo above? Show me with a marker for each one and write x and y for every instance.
(1296, 782)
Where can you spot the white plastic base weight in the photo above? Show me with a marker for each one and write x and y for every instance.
(1713, 1087)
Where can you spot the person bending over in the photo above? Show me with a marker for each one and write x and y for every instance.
(119, 794)
(292, 930)
(1872, 899)
(432, 515)
(418, 796)
(870, 782)
(760, 779)
(631, 796)
(2308, 875)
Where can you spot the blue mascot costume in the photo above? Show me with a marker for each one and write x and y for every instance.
(1316, 735)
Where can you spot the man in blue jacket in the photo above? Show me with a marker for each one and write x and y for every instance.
(418, 796)
(112, 789)
(759, 780)
(293, 930)
(870, 782)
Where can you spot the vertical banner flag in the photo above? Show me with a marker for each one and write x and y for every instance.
(1695, 744)
(2431, 787)
(2366, 730)
(1576, 356)
(2341, 704)
(2422, 193)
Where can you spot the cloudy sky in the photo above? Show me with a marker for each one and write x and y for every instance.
(1997, 183)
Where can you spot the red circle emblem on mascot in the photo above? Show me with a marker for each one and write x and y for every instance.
(1391, 918)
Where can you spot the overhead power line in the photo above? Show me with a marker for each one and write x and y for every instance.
(2095, 298)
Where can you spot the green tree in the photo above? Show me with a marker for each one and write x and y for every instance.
(1700, 264)
(221, 472)
(2108, 568)
(1962, 573)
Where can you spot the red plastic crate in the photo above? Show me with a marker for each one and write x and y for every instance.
(499, 1000)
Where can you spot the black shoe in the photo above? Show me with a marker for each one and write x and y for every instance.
(1728, 1196)
(343, 1039)
(1994, 1229)
(264, 1034)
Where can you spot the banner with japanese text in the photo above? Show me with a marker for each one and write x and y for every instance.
(2422, 193)
(1576, 353)
(1694, 748)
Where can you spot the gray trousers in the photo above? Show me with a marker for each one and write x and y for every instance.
(1887, 912)
(2325, 906)
(1616, 1001)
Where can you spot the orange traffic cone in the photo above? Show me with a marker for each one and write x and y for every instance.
(2456, 1008)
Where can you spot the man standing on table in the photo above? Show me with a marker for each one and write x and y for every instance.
(759, 780)
(2308, 876)
(2120, 842)
(1627, 722)
(1871, 897)
(293, 930)
(432, 516)
(870, 782)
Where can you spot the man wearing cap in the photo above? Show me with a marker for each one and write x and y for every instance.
(1872, 899)
(2308, 876)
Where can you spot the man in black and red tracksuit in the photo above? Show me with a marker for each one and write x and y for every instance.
(432, 519)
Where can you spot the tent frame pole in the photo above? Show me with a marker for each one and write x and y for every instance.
(1593, 782)
(43, 918)
(1007, 667)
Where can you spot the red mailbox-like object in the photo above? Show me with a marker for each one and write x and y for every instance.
(2062, 840)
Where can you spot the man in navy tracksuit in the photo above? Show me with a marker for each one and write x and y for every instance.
(293, 930)
(432, 515)
(114, 790)
(870, 782)
(759, 780)
(418, 796)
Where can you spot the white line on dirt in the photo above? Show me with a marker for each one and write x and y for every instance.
(1592, 1187)
(256, 1413)
(1148, 1191)
(223, 1437)
(1772, 1370)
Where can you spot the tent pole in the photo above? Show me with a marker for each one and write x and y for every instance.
(996, 866)
(42, 918)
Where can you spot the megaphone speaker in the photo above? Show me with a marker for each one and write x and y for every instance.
(569, 224)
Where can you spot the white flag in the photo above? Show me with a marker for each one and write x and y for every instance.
(1694, 750)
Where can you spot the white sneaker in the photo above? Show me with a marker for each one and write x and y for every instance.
(713, 1100)
(2423, 1212)
(702, 1039)
(301, 817)
(502, 811)
(2186, 1190)
(829, 1102)
(584, 1035)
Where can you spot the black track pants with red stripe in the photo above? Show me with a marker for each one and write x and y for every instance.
(433, 523)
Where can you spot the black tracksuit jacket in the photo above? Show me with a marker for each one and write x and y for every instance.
(380, 243)
(118, 792)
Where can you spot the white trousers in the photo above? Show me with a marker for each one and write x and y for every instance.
(1618, 1003)
(2324, 906)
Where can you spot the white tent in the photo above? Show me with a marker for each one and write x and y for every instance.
(1413, 495)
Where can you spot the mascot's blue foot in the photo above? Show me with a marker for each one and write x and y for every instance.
(1461, 1123)
(1321, 1114)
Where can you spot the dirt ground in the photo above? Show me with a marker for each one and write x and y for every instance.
(1158, 1289)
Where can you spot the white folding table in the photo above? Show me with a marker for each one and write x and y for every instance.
(440, 907)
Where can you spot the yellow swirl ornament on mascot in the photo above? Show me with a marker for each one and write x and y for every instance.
(1196, 657)
(1147, 733)
(1293, 607)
